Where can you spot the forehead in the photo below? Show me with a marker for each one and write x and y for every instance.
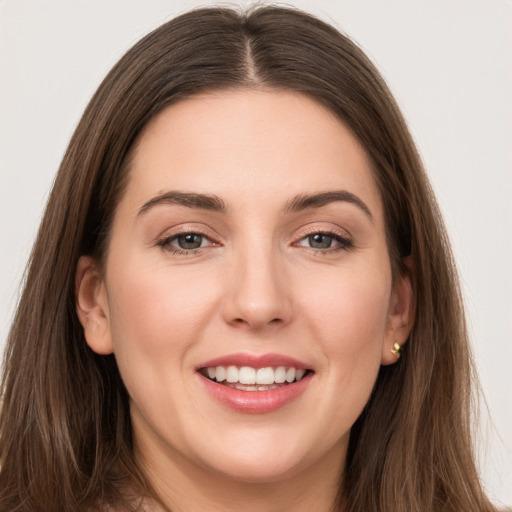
(249, 143)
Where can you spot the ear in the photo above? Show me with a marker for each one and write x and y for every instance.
(400, 315)
(92, 305)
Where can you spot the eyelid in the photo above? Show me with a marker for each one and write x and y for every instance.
(342, 236)
(311, 229)
(175, 238)
(168, 235)
(186, 228)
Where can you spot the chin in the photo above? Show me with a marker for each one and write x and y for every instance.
(254, 470)
(263, 457)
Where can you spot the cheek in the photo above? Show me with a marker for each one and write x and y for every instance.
(344, 311)
(350, 300)
(156, 316)
(158, 304)
(348, 315)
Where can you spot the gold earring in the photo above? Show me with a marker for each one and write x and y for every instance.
(396, 350)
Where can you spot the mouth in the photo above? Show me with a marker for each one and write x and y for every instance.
(248, 383)
(248, 378)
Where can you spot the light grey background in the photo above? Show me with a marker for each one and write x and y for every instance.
(448, 63)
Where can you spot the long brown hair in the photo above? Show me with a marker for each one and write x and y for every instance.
(65, 431)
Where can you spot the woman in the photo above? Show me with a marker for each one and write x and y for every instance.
(241, 295)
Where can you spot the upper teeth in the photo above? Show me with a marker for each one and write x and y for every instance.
(248, 375)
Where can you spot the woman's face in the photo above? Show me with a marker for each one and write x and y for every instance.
(249, 246)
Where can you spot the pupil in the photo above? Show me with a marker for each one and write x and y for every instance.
(190, 241)
(320, 241)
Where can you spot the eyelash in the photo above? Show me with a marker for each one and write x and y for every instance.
(344, 243)
(165, 243)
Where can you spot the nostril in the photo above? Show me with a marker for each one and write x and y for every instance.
(242, 322)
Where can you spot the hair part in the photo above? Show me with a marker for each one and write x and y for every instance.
(65, 431)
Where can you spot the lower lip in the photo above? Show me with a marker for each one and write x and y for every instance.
(256, 402)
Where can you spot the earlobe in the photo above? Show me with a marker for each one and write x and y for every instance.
(92, 306)
(400, 317)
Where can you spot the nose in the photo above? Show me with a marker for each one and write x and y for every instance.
(257, 296)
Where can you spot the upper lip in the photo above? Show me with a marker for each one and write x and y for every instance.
(255, 361)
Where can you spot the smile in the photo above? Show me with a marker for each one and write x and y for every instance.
(255, 384)
(247, 378)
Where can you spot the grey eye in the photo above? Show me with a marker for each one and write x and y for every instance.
(320, 241)
(189, 241)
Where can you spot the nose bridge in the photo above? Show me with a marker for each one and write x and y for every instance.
(258, 295)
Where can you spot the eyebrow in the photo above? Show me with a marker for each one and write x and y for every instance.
(202, 201)
(305, 201)
(214, 203)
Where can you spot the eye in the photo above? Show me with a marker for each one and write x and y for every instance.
(189, 241)
(320, 241)
(325, 241)
(182, 243)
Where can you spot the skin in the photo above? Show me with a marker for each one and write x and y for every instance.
(257, 285)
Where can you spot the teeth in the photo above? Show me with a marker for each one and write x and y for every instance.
(220, 373)
(232, 374)
(247, 375)
(255, 379)
(265, 376)
(299, 374)
(280, 375)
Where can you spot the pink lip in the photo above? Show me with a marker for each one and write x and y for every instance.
(255, 361)
(255, 402)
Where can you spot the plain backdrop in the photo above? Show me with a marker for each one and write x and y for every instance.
(449, 63)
